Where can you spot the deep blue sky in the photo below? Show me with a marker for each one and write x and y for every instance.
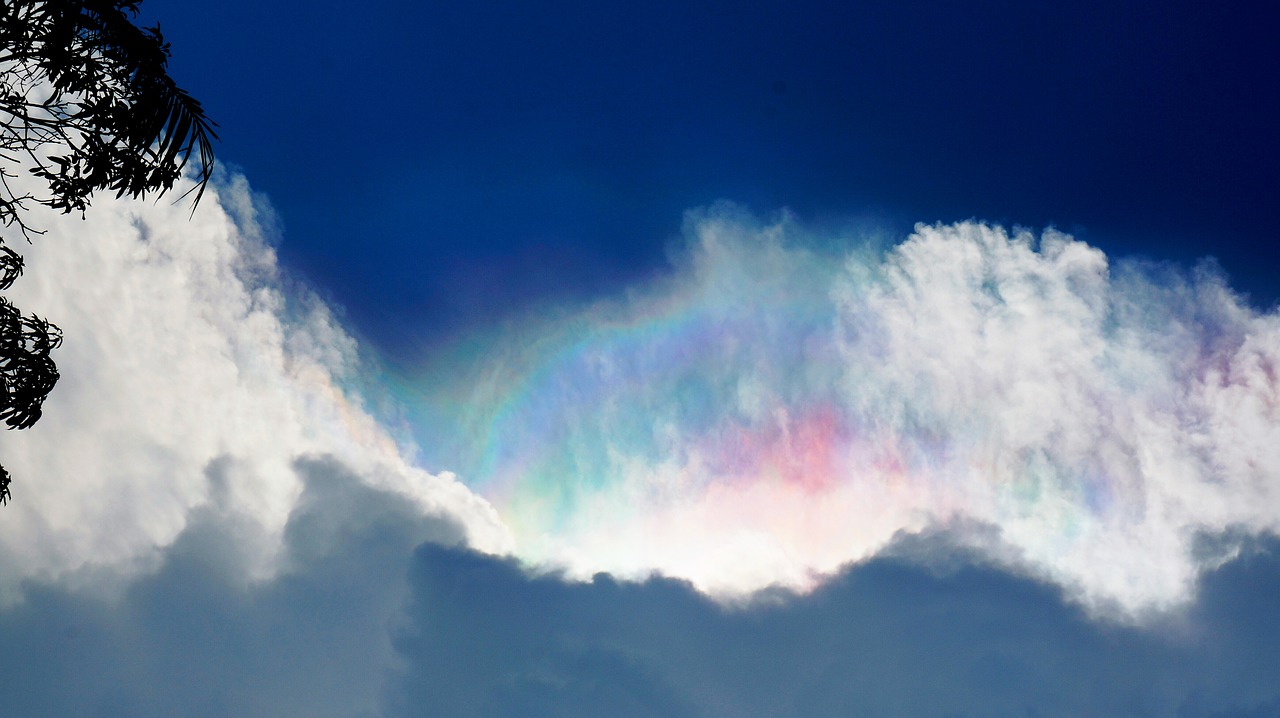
(436, 165)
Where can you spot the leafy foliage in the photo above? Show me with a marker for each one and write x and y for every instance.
(86, 104)
(27, 372)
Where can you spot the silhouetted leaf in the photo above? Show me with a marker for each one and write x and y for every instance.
(79, 79)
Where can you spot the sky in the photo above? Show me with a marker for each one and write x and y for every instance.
(676, 359)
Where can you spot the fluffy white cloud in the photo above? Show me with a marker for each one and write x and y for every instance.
(773, 411)
(1102, 420)
(189, 379)
(764, 415)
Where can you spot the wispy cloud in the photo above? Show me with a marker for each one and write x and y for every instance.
(785, 403)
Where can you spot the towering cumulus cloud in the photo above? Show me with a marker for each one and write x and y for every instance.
(190, 381)
(208, 520)
(777, 408)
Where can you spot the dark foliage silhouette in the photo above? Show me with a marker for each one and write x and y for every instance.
(86, 105)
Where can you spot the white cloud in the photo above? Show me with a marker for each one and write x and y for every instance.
(764, 415)
(183, 359)
(773, 411)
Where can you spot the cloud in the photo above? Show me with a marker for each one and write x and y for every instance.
(887, 637)
(378, 611)
(194, 638)
(207, 522)
(779, 405)
(190, 378)
(784, 403)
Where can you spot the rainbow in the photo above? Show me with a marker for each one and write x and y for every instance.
(771, 411)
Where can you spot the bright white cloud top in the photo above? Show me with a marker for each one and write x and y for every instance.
(188, 381)
(773, 409)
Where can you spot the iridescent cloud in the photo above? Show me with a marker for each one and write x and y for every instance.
(776, 408)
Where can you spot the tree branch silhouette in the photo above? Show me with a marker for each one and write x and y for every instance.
(86, 105)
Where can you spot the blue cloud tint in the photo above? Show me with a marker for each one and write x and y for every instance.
(377, 616)
(886, 638)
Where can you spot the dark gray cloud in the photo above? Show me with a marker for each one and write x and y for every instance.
(196, 638)
(888, 637)
(379, 612)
